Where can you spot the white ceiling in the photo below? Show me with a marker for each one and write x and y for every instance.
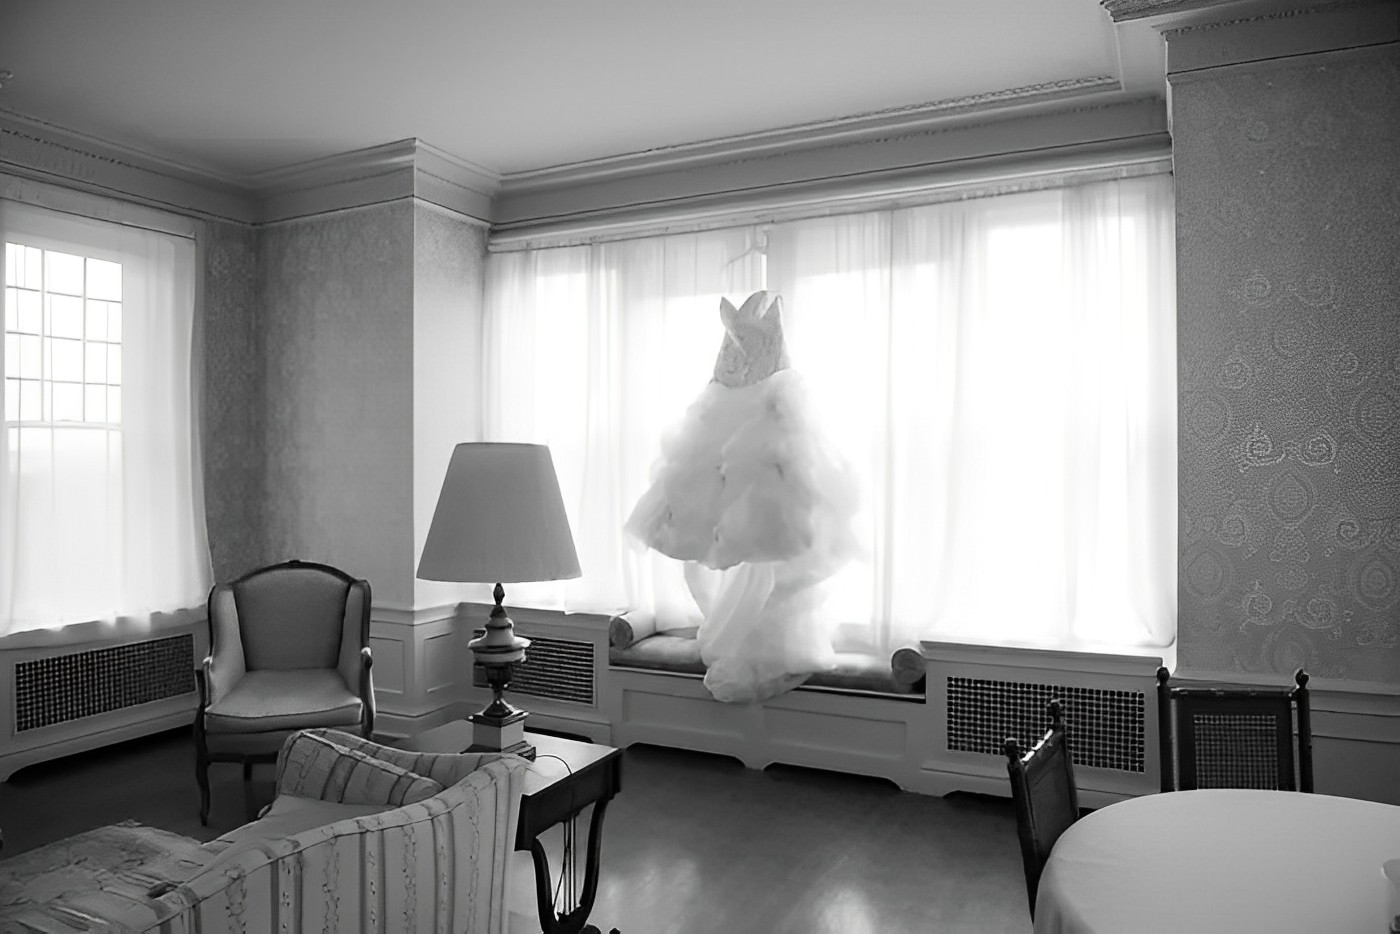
(241, 87)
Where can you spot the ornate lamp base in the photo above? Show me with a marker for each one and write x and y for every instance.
(500, 727)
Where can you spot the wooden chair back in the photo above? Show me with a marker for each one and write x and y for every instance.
(1235, 737)
(1044, 795)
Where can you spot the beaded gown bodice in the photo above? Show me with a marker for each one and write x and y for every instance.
(753, 348)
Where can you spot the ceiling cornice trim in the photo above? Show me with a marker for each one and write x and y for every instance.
(865, 127)
(1177, 16)
(456, 184)
(35, 149)
(1006, 174)
(1121, 11)
(358, 178)
(410, 168)
(401, 169)
(1298, 10)
(922, 150)
(1197, 45)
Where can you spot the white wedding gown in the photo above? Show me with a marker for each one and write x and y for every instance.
(758, 504)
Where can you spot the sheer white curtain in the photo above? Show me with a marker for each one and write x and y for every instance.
(101, 508)
(595, 350)
(1000, 371)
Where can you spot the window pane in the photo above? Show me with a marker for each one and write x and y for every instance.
(114, 364)
(29, 400)
(11, 261)
(11, 309)
(96, 320)
(67, 360)
(67, 402)
(95, 403)
(104, 280)
(33, 275)
(11, 400)
(114, 322)
(31, 361)
(65, 273)
(12, 356)
(65, 316)
(95, 365)
(31, 313)
(114, 404)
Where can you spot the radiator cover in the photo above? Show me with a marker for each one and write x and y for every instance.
(60, 688)
(1107, 728)
(980, 696)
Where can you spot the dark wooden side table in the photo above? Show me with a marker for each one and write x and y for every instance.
(566, 777)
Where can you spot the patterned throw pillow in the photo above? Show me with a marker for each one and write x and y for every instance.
(316, 767)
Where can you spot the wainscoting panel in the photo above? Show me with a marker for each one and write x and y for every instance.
(1356, 740)
(420, 668)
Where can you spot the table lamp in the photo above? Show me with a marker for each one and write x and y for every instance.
(499, 519)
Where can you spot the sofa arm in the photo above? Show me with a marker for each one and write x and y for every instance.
(443, 767)
(438, 865)
(312, 765)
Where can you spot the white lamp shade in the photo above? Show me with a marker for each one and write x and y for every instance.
(499, 519)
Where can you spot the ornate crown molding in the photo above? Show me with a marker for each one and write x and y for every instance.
(401, 169)
(31, 148)
(1121, 11)
(880, 152)
(1253, 35)
(1266, 16)
(1189, 15)
(870, 126)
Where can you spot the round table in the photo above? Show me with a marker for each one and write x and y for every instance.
(1273, 862)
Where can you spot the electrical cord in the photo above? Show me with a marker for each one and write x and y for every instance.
(566, 869)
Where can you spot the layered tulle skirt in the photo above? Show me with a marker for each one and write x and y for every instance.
(753, 496)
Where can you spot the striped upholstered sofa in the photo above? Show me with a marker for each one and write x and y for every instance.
(361, 837)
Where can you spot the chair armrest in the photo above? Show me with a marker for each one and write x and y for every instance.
(354, 634)
(366, 690)
(224, 666)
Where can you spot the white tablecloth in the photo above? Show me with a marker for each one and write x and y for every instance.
(1235, 862)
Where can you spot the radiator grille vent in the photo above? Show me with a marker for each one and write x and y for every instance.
(84, 684)
(1106, 728)
(560, 669)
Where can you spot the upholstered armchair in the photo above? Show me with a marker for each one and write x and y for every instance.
(288, 650)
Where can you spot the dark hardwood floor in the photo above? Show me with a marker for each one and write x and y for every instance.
(695, 844)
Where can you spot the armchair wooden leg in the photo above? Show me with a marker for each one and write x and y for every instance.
(201, 774)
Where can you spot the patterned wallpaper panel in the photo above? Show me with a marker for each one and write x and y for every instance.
(1288, 201)
(449, 268)
(337, 324)
(233, 400)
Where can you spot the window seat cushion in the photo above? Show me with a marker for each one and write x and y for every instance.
(677, 651)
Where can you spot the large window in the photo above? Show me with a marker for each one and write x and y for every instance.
(100, 520)
(999, 371)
